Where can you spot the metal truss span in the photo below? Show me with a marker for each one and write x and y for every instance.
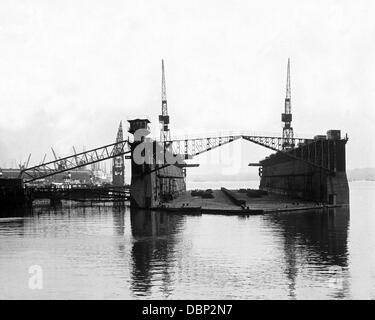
(75, 161)
(188, 148)
(276, 144)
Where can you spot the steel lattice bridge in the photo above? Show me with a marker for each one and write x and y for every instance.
(75, 161)
(186, 148)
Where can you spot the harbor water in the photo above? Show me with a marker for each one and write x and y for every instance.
(108, 251)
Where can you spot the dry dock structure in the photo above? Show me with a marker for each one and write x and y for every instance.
(301, 173)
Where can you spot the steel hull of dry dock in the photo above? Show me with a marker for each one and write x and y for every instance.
(286, 175)
(151, 187)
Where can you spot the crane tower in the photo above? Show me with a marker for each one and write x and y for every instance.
(286, 117)
(165, 134)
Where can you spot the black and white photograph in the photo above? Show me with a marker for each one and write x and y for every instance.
(186, 151)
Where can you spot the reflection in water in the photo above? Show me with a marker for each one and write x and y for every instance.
(118, 213)
(314, 246)
(12, 220)
(9, 212)
(106, 251)
(153, 250)
(316, 239)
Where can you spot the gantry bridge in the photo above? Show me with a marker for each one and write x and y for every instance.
(75, 161)
(185, 148)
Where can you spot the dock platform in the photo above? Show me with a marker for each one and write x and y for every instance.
(223, 204)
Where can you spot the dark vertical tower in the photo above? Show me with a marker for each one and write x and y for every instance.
(165, 134)
(286, 117)
(118, 169)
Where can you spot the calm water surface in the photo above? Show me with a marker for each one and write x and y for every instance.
(116, 253)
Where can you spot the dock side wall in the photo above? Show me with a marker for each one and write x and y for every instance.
(284, 175)
(148, 190)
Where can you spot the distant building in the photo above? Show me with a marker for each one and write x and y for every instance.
(77, 176)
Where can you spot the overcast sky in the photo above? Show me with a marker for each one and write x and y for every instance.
(71, 70)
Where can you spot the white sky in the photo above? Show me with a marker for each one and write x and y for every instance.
(71, 70)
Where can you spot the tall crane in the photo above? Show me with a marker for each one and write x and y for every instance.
(44, 158)
(118, 167)
(60, 163)
(165, 134)
(286, 117)
(25, 164)
(54, 154)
